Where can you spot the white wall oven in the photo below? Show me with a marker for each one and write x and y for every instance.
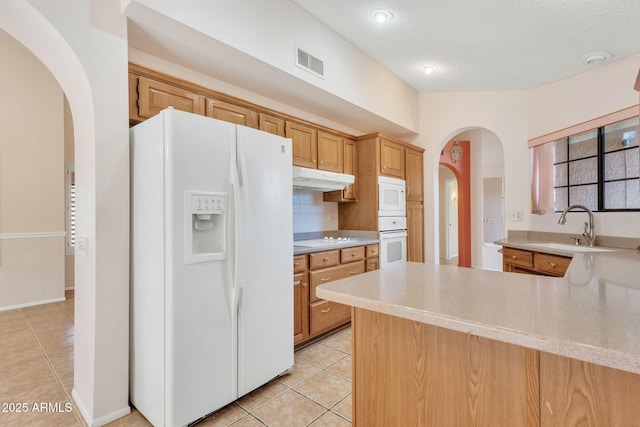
(391, 197)
(393, 239)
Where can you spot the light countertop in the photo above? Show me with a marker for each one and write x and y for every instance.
(591, 314)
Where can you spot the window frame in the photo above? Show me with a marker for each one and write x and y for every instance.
(600, 180)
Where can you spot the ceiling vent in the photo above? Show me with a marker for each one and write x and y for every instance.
(310, 63)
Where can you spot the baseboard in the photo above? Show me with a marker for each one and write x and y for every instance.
(31, 304)
(99, 422)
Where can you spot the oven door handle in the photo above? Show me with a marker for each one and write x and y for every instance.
(393, 234)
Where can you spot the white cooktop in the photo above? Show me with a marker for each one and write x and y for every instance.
(324, 242)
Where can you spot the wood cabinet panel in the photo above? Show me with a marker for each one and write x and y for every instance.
(352, 254)
(372, 264)
(392, 161)
(305, 144)
(300, 307)
(373, 250)
(330, 152)
(414, 175)
(325, 315)
(324, 259)
(299, 263)
(350, 193)
(530, 262)
(517, 257)
(326, 275)
(231, 113)
(415, 232)
(271, 124)
(408, 373)
(553, 264)
(576, 393)
(154, 96)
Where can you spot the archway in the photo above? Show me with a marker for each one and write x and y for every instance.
(49, 32)
(481, 197)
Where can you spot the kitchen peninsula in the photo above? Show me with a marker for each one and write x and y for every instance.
(438, 345)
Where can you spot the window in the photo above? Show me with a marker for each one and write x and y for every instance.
(599, 168)
(70, 185)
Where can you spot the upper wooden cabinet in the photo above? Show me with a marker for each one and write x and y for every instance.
(414, 175)
(305, 144)
(231, 113)
(271, 124)
(154, 96)
(391, 159)
(350, 160)
(330, 152)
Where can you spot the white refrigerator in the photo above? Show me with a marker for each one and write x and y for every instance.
(211, 264)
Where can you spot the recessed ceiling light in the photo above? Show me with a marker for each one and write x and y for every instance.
(597, 58)
(382, 15)
(429, 68)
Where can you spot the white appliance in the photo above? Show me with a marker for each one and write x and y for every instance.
(392, 232)
(391, 197)
(211, 298)
(319, 180)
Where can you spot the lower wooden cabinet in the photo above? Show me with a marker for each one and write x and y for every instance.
(530, 262)
(415, 232)
(312, 315)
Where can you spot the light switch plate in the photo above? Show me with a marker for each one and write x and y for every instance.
(516, 215)
(81, 246)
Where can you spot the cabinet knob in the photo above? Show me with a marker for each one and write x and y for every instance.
(553, 264)
(326, 310)
(514, 257)
(353, 254)
(353, 272)
(325, 279)
(305, 285)
(325, 259)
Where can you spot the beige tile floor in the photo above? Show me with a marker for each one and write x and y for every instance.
(36, 366)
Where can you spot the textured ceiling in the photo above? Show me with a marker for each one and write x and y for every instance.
(485, 44)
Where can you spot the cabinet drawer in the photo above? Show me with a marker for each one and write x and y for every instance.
(299, 263)
(517, 257)
(372, 264)
(324, 259)
(552, 264)
(352, 254)
(373, 250)
(333, 273)
(328, 314)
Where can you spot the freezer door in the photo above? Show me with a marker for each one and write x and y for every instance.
(200, 323)
(265, 247)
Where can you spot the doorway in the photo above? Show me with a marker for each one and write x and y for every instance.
(448, 233)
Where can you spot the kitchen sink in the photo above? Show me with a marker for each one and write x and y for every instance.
(570, 248)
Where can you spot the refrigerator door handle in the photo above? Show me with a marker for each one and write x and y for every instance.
(235, 183)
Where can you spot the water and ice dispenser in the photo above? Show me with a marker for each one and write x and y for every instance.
(205, 226)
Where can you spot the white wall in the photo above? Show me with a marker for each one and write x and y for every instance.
(84, 45)
(31, 180)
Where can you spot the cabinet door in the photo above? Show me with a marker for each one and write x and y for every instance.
(414, 175)
(330, 152)
(300, 308)
(415, 232)
(305, 144)
(271, 124)
(391, 159)
(154, 96)
(231, 113)
(350, 167)
(574, 393)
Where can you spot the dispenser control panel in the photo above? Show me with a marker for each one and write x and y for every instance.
(203, 204)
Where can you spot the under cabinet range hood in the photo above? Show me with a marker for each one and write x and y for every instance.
(319, 180)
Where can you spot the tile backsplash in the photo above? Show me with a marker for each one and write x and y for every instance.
(310, 213)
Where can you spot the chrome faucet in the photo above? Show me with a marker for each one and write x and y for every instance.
(588, 233)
